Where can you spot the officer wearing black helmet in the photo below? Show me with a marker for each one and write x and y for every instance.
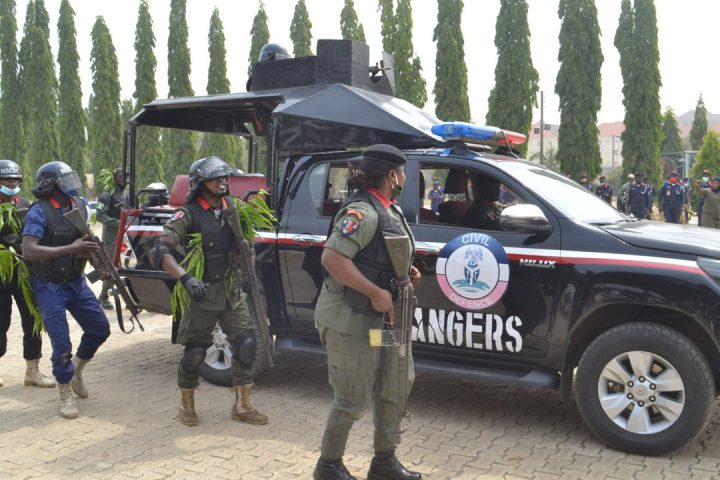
(109, 206)
(268, 53)
(10, 230)
(57, 254)
(351, 303)
(214, 299)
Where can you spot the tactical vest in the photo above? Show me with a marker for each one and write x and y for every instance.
(117, 201)
(373, 260)
(217, 241)
(58, 233)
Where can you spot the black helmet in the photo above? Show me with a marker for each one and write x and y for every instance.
(57, 174)
(272, 51)
(208, 168)
(10, 169)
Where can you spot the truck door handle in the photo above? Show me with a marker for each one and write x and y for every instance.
(309, 239)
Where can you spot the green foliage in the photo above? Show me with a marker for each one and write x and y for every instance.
(224, 146)
(12, 143)
(637, 42)
(709, 155)
(350, 26)
(397, 40)
(148, 149)
(254, 215)
(8, 262)
(260, 36)
(301, 31)
(514, 95)
(29, 296)
(194, 264)
(127, 110)
(105, 121)
(178, 146)
(105, 181)
(71, 115)
(39, 84)
(672, 142)
(578, 86)
(699, 126)
(9, 218)
(451, 98)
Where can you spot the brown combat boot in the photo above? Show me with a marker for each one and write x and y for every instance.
(33, 376)
(243, 410)
(68, 408)
(77, 383)
(187, 407)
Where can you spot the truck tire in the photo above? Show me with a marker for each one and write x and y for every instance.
(216, 367)
(644, 388)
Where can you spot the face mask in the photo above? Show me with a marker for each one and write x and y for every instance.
(705, 179)
(396, 190)
(9, 191)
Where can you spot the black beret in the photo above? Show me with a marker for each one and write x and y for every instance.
(385, 154)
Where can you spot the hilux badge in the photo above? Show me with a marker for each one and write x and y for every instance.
(473, 271)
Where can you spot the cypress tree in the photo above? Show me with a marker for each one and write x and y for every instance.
(71, 115)
(127, 110)
(39, 88)
(301, 31)
(148, 148)
(579, 87)
(636, 40)
(409, 82)
(350, 26)
(260, 36)
(12, 144)
(388, 24)
(179, 146)
(451, 98)
(106, 124)
(672, 142)
(218, 144)
(699, 125)
(708, 157)
(514, 95)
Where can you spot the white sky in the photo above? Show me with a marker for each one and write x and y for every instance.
(687, 29)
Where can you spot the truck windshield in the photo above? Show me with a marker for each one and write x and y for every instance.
(567, 196)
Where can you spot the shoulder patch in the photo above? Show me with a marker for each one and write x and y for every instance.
(349, 225)
(177, 215)
(354, 212)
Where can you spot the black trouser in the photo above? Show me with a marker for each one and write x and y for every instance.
(32, 344)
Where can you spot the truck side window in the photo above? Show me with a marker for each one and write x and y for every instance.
(315, 182)
(335, 191)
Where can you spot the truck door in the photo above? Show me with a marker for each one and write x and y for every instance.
(518, 324)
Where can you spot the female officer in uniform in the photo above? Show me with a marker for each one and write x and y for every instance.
(350, 304)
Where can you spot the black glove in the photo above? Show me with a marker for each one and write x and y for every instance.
(197, 289)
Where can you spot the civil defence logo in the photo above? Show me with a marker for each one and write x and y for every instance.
(473, 271)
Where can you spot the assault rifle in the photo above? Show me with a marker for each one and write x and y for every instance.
(103, 267)
(400, 333)
(243, 261)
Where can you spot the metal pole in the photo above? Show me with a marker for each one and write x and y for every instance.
(542, 128)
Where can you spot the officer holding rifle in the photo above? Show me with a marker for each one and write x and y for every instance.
(355, 298)
(57, 252)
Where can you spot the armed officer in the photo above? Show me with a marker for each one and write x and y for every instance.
(604, 190)
(639, 202)
(355, 297)
(109, 206)
(672, 198)
(57, 254)
(711, 202)
(214, 297)
(10, 180)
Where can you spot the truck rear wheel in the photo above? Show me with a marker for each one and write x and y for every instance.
(644, 388)
(218, 358)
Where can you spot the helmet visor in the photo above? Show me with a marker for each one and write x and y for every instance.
(70, 184)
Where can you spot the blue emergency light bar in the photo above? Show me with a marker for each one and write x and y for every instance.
(470, 133)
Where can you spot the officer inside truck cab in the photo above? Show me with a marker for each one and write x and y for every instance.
(351, 303)
(484, 212)
(215, 298)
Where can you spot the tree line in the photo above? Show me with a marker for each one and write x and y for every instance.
(42, 117)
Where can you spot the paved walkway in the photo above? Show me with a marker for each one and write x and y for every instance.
(461, 430)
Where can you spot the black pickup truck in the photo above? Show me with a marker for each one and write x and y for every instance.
(622, 314)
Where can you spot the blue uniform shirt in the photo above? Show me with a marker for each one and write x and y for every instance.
(35, 225)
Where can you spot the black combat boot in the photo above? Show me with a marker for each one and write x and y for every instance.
(325, 470)
(386, 466)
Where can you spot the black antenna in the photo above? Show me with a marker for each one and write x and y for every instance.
(511, 153)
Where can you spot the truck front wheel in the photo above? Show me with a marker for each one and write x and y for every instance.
(644, 388)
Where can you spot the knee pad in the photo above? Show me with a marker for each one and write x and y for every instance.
(193, 357)
(244, 349)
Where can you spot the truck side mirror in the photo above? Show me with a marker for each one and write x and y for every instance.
(524, 218)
